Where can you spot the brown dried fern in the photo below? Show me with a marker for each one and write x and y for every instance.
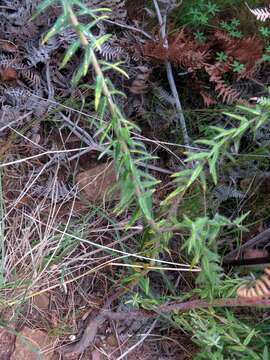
(225, 91)
(181, 51)
(193, 56)
(248, 51)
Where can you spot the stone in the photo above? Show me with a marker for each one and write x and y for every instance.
(33, 344)
(7, 341)
(96, 183)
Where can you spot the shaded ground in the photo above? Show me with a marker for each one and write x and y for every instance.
(57, 268)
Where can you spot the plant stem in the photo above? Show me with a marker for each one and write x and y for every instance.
(113, 107)
(187, 306)
(179, 109)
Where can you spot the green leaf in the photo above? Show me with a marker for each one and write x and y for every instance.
(84, 66)
(250, 110)
(101, 10)
(249, 337)
(183, 173)
(100, 41)
(98, 91)
(197, 156)
(217, 129)
(102, 108)
(266, 355)
(239, 348)
(91, 11)
(43, 6)
(117, 92)
(126, 196)
(145, 205)
(132, 277)
(203, 181)
(196, 173)
(114, 66)
(236, 116)
(173, 194)
(59, 25)
(145, 285)
(78, 76)
(240, 219)
(212, 163)
(241, 130)
(70, 52)
(150, 184)
(87, 59)
(225, 134)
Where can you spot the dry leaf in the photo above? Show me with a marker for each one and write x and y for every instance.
(8, 74)
(96, 183)
(8, 46)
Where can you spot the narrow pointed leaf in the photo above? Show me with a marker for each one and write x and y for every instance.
(197, 171)
(42, 6)
(57, 27)
(98, 91)
(70, 52)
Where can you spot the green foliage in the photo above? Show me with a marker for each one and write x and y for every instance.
(135, 184)
(219, 147)
(202, 12)
(222, 336)
(197, 14)
(232, 28)
(199, 36)
(237, 67)
(201, 245)
(221, 56)
(264, 31)
(218, 335)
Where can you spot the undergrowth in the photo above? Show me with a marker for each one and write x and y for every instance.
(208, 203)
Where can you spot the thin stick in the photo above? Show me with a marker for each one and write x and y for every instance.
(14, 121)
(185, 307)
(129, 27)
(179, 109)
(186, 267)
(93, 325)
(258, 239)
(139, 342)
(49, 152)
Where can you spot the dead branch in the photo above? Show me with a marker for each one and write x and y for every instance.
(179, 109)
(184, 307)
(105, 314)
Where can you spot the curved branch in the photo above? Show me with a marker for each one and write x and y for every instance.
(186, 306)
(105, 314)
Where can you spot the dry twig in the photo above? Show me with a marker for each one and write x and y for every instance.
(93, 325)
(179, 109)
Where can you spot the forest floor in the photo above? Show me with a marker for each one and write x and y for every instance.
(64, 250)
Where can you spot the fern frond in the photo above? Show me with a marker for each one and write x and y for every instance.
(53, 189)
(112, 52)
(164, 96)
(31, 78)
(261, 14)
(263, 101)
(226, 92)
(223, 193)
(42, 53)
(16, 96)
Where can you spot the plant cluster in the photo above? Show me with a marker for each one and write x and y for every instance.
(215, 56)
(236, 60)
